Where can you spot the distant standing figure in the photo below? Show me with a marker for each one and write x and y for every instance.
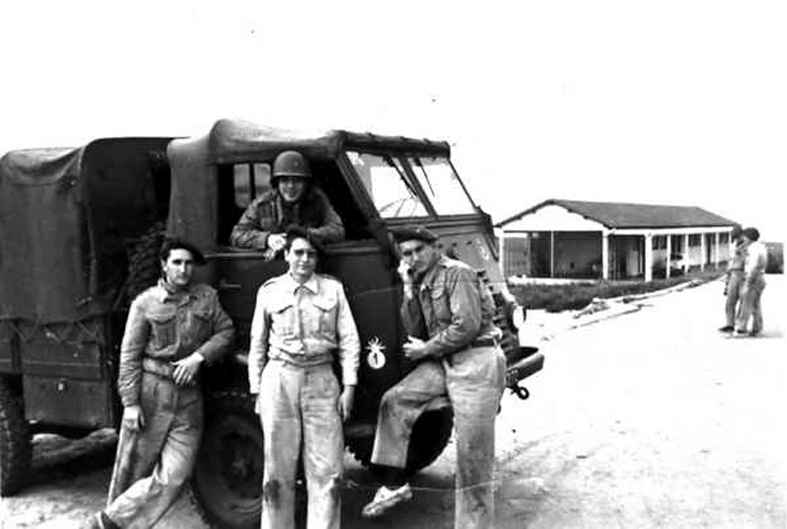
(733, 281)
(293, 201)
(753, 284)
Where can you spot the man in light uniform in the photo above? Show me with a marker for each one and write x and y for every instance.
(301, 319)
(172, 329)
(753, 284)
(733, 282)
(292, 201)
(447, 313)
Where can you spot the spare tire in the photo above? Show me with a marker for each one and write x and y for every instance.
(144, 268)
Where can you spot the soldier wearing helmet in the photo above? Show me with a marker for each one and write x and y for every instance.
(292, 201)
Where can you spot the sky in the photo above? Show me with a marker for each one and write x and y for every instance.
(669, 102)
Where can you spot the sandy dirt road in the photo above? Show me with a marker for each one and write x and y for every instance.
(651, 419)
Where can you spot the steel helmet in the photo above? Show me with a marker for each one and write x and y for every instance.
(291, 163)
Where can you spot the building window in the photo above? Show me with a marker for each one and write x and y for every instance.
(677, 243)
(660, 242)
(724, 238)
(695, 239)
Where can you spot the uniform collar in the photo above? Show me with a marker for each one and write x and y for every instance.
(311, 285)
(166, 293)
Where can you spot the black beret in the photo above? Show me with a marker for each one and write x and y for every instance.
(409, 233)
(170, 244)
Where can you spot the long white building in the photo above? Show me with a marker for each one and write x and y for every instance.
(610, 240)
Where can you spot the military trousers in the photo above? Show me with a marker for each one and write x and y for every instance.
(299, 406)
(750, 308)
(152, 464)
(734, 287)
(473, 380)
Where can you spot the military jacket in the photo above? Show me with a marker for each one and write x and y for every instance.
(268, 214)
(303, 324)
(168, 327)
(451, 306)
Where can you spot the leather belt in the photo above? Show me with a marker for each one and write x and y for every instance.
(162, 368)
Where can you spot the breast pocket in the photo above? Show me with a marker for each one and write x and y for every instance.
(283, 318)
(199, 327)
(326, 312)
(163, 330)
(440, 303)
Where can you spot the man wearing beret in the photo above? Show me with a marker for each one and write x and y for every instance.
(447, 313)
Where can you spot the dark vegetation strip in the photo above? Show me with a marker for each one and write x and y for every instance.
(555, 298)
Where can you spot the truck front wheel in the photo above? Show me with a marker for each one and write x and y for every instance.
(430, 435)
(15, 449)
(227, 481)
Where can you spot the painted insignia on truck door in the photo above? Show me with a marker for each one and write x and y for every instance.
(376, 357)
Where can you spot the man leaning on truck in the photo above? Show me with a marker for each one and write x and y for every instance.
(172, 329)
(448, 313)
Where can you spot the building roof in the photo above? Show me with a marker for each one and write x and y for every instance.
(626, 215)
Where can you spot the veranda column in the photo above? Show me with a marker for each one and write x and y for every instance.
(648, 257)
(669, 252)
(716, 252)
(604, 256)
(686, 253)
(702, 252)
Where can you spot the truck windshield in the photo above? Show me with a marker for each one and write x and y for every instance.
(442, 186)
(387, 185)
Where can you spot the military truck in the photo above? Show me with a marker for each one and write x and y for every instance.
(81, 229)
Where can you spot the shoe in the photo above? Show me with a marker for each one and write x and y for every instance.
(94, 522)
(386, 498)
(726, 328)
(754, 334)
(739, 334)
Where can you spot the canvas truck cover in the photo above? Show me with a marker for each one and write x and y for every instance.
(65, 217)
(194, 164)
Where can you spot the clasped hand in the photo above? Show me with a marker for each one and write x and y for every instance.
(414, 348)
(186, 369)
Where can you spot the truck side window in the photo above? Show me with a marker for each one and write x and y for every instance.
(250, 181)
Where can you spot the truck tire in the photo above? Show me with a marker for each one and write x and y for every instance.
(227, 481)
(431, 433)
(15, 448)
(143, 261)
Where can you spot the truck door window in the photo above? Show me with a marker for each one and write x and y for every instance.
(387, 185)
(251, 180)
(442, 186)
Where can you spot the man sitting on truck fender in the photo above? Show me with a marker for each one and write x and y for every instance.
(447, 312)
(172, 329)
(301, 320)
(292, 201)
